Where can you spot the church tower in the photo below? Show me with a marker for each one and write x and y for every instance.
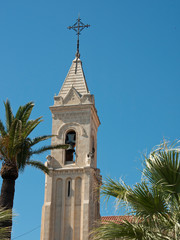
(71, 205)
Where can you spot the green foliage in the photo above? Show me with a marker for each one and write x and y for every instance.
(154, 203)
(5, 215)
(16, 146)
(16, 151)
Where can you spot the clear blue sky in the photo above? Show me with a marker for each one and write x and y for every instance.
(131, 59)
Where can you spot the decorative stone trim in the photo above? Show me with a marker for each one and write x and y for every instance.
(63, 171)
(64, 127)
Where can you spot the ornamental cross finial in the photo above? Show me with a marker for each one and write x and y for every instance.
(78, 27)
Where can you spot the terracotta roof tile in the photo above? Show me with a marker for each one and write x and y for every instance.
(116, 219)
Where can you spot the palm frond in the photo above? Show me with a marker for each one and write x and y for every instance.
(15, 138)
(163, 168)
(2, 129)
(24, 155)
(5, 215)
(24, 112)
(40, 139)
(114, 188)
(50, 147)
(134, 229)
(38, 165)
(30, 126)
(119, 230)
(9, 114)
(155, 202)
(147, 202)
(4, 142)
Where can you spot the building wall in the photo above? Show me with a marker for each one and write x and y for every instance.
(71, 205)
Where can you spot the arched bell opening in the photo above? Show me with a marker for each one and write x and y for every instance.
(70, 155)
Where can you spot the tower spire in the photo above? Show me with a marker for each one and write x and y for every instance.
(78, 27)
(71, 204)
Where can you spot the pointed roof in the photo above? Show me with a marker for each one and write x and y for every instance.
(75, 78)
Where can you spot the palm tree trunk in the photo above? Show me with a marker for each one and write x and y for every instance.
(7, 193)
(6, 202)
(9, 174)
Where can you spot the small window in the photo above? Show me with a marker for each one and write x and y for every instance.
(71, 151)
(69, 189)
(93, 146)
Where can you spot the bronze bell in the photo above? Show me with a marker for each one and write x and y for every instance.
(70, 153)
(71, 148)
(71, 140)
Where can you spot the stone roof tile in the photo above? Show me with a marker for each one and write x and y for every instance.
(75, 78)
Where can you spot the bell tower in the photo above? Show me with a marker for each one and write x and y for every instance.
(71, 205)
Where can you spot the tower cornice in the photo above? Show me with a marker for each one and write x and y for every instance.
(74, 108)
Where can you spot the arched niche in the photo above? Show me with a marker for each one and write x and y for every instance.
(66, 126)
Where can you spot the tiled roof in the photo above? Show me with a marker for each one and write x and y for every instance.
(116, 219)
(75, 78)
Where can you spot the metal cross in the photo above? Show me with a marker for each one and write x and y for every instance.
(78, 27)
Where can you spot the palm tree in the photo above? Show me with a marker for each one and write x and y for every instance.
(154, 203)
(16, 150)
(5, 215)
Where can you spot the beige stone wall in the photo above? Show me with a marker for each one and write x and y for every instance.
(71, 216)
(81, 119)
(71, 204)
